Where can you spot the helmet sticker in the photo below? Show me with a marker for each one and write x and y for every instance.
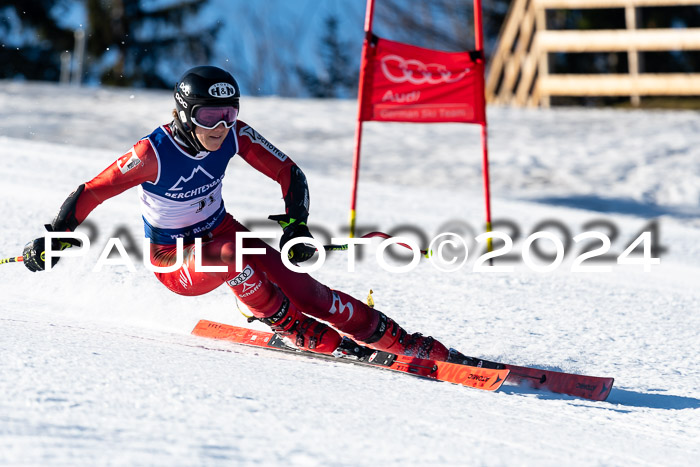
(181, 100)
(222, 90)
(185, 88)
(183, 116)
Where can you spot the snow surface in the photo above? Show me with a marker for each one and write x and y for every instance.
(101, 369)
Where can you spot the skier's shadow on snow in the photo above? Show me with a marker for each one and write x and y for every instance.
(619, 397)
(619, 206)
(652, 400)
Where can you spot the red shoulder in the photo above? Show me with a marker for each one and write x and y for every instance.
(137, 166)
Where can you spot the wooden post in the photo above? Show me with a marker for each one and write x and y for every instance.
(632, 54)
(495, 92)
(543, 57)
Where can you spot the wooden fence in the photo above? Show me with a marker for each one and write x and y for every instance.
(519, 70)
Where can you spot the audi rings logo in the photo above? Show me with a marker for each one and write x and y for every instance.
(399, 70)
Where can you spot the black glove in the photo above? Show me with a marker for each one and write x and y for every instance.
(35, 250)
(293, 228)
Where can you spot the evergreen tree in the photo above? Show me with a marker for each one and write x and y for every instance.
(31, 41)
(127, 43)
(339, 75)
(446, 25)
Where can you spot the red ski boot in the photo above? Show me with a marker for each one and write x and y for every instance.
(390, 337)
(305, 332)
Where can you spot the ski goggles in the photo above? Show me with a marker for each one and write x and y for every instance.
(211, 117)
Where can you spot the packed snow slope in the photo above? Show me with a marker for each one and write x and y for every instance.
(99, 368)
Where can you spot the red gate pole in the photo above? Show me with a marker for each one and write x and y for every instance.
(360, 99)
(479, 41)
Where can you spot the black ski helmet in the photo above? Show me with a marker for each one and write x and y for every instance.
(202, 86)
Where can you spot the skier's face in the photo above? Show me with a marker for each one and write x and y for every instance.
(211, 139)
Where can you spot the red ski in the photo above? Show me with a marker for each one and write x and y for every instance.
(488, 379)
(482, 374)
(587, 387)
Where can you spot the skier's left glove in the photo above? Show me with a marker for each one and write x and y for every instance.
(294, 228)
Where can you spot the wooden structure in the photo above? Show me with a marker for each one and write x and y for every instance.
(519, 71)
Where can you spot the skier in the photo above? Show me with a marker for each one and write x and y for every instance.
(179, 169)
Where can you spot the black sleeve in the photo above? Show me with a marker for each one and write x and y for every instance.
(296, 200)
(65, 220)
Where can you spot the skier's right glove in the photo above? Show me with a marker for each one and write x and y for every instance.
(34, 251)
(293, 228)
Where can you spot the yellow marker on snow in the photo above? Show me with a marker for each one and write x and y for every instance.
(370, 300)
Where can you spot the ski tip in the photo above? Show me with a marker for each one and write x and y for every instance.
(606, 387)
(202, 326)
(594, 388)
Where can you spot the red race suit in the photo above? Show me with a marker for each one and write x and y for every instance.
(192, 207)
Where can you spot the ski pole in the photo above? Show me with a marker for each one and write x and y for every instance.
(14, 259)
(336, 247)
